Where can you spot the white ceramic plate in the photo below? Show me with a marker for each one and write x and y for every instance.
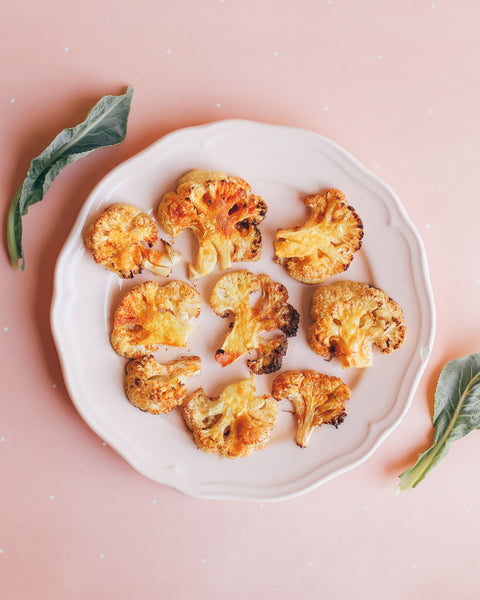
(282, 165)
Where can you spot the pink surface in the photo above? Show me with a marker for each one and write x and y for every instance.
(396, 85)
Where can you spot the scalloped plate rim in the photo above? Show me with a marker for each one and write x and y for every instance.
(221, 491)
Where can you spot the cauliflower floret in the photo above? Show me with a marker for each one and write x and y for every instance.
(349, 318)
(325, 244)
(157, 388)
(270, 312)
(151, 314)
(316, 399)
(234, 424)
(222, 213)
(121, 239)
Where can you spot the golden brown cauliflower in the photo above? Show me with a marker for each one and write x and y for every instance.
(350, 317)
(121, 239)
(223, 214)
(270, 312)
(157, 388)
(151, 314)
(234, 424)
(325, 244)
(316, 399)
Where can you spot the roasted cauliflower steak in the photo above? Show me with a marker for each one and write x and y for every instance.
(223, 214)
(235, 423)
(157, 388)
(151, 314)
(270, 312)
(325, 244)
(316, 399)
(349, 318)
(122, 239)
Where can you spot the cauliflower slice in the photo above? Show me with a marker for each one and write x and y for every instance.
(223, 214)
(234, 424)
(316, 399)
(325, 244)
(271, 312)
(121, 239)
(151, 314)
(350, 317)
(157, 388)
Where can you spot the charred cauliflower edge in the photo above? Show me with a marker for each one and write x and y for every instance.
(235, 423)
(158, 388)
(122, 238)
(151, 314)
(316, 399)
(349, 318)
(325, 244)
(271, 312)
(223, 214)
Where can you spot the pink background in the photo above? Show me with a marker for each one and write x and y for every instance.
(396, 84)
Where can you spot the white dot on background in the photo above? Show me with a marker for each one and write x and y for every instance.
(433, 5)
(427, 225)
(379, 57)
(377, 166)
(102, 555)
(468, 510)
(52, 497)
(66, 49)
(2, 439)
(5, 329)
(154, 501)
(414, 566)
(326, 108)
(54, 386)
(169, 51)
(260, 505)
(311, 564)
(12, 100)
(365, 508)
(204, 560)
(218, 105)
(1, 550)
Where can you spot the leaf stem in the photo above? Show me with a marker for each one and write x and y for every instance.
(413, 476)
(12, 220)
